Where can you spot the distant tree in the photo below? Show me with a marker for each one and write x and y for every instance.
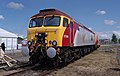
(19, 40)
(119, 40)
(114, 38)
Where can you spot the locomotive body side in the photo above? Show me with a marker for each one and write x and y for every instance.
(78, 35)
(84, 37)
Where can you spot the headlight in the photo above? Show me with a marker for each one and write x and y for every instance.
(51, 52)
(50, 42)
(29, 43)
(54, 43)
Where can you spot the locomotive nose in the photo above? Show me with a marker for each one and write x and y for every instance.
(51, 52)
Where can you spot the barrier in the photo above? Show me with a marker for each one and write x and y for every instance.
(3, 57)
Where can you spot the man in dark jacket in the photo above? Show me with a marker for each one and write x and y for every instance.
(3, 46)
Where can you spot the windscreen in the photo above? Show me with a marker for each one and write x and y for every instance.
(37, 22)
(52, 21)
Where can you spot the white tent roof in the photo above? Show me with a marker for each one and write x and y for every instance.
(4, 33)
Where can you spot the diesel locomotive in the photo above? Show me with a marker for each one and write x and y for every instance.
(54, 37)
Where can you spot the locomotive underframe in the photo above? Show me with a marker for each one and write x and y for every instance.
(63, 57)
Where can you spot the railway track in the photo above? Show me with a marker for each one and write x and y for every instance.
(24, 67)
(44, 70)
(22, 70)
(12, 71)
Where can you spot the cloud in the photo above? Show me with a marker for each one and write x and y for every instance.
(108, 34)
(110, 22)
(90, 28)
(101, 12)
(14, 5)
(104, 35)
(2, 17)
(118, 26)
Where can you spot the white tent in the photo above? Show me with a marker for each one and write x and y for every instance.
(10, 39)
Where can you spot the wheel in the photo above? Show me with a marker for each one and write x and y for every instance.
(65, 58)
(78, 54)
(32, 59)
(56, 61)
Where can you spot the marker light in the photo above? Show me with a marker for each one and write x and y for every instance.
(54, 43)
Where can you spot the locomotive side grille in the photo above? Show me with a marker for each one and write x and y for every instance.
(47, 10)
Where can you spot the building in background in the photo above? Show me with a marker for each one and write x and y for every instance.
(105, 41)
(10, 39)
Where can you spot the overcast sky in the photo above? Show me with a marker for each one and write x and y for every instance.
(102, 16)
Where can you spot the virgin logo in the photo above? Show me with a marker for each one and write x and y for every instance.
(66, 36)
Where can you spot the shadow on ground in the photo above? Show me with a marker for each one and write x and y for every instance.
(115, 69)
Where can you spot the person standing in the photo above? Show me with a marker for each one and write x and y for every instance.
(3, 46)
(118, 56)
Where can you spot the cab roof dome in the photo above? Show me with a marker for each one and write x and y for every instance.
(50, 12)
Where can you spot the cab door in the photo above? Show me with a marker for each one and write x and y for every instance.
(66, 36)
(68, 33)
(71, 33)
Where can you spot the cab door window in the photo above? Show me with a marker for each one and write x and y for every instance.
(71, 24)
(65, 22)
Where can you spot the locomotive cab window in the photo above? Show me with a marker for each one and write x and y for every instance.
(37, 22)
(65, 22)
(52, 21)
(71, 24)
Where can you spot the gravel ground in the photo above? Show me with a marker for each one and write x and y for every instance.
(101, 62)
